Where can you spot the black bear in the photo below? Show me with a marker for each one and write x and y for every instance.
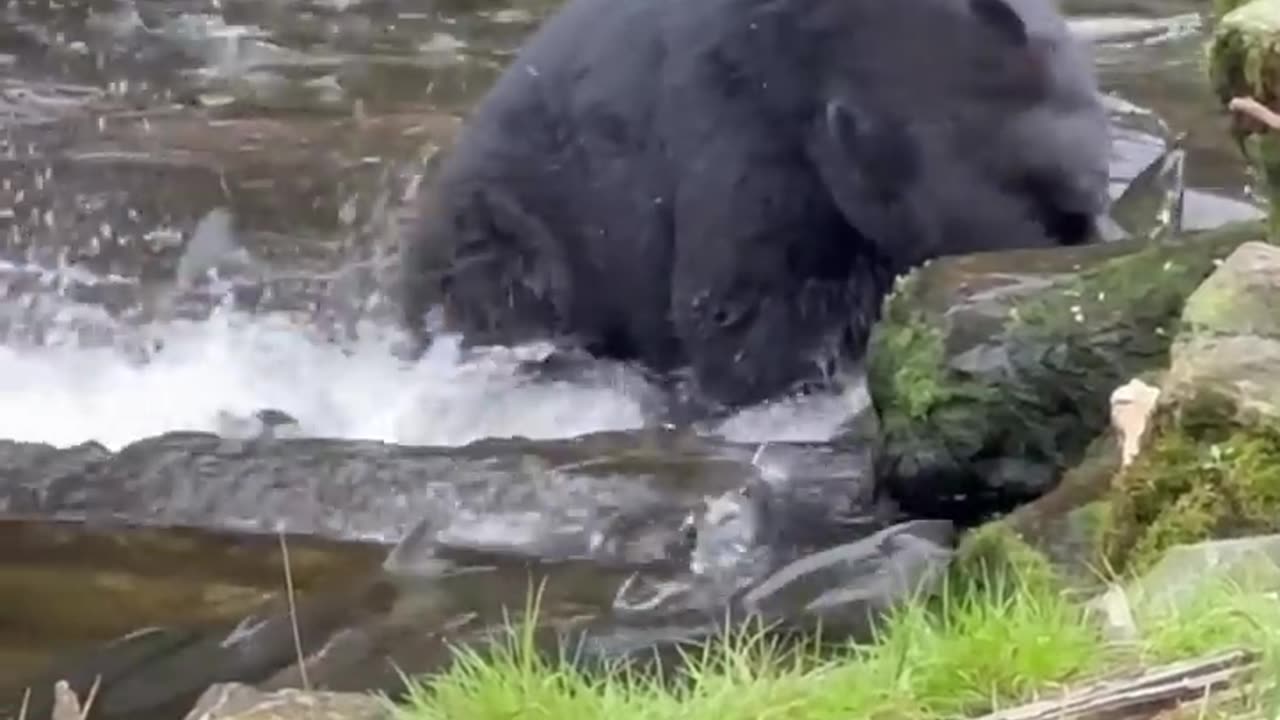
(730, 186)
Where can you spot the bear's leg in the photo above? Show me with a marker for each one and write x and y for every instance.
(770, 283)
(505, 280)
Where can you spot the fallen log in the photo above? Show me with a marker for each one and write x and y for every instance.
(1143, 694)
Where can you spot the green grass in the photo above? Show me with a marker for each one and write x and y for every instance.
(964, 653)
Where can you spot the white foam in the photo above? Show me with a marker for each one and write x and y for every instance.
(66, 391)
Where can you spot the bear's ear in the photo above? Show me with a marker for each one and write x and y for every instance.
(1003, 19)
(845, 127)
(882, 152)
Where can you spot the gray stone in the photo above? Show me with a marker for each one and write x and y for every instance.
(847, 587)
(235, 701)
(1229, 345)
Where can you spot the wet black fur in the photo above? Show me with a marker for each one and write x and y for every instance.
(731, 185)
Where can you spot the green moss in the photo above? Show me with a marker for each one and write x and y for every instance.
(916, 382)
(1244, 61)
(909, 357)
(996, 555)
(1145, 289)
(1244, 53)
(1198, 480)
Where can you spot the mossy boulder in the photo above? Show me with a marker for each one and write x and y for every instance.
(991, 374)
(1244, 51)
(1212, 466)
(1244, 62)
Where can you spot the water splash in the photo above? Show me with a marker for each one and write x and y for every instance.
(86, 376)
(66, 392)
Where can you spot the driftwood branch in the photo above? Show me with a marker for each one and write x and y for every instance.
(1142, 694)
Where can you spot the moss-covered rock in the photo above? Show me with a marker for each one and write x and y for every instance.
(992, 373)
(1244, 62)
(1057, 538)
(1243, 57)
(1212, 467)
(997, 554)
(1194, 484)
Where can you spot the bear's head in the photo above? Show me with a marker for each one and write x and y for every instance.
(936, 127)
(985, 132)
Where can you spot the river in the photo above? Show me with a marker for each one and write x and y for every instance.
(125, 123)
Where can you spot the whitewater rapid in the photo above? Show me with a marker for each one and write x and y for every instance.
(81, 378)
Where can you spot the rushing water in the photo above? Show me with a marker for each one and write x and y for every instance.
(124, 122)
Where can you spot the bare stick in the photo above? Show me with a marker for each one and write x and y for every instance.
(93, 695)
(293, 612)
(1161, 687)
(26, 704)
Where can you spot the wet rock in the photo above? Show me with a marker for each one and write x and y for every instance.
(612, 497)
(992, 374)
(550, 498)
(1192, 449)
(845, 589)
(37, 460)
(235, 701)
(1067, 524)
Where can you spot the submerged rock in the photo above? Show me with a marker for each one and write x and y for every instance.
(365, 635)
